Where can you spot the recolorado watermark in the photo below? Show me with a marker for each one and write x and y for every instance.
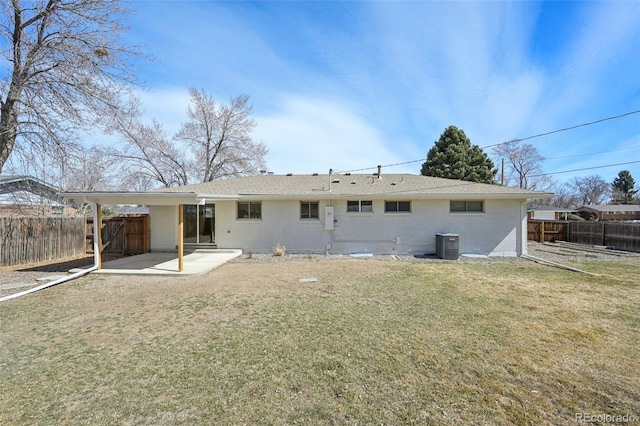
(606, 418)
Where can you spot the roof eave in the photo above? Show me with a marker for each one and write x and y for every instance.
(176, 198)
(134, 197)
(326, 195)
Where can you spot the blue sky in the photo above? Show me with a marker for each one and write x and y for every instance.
(352, 84)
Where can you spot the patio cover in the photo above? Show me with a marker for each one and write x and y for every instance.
(148, 198)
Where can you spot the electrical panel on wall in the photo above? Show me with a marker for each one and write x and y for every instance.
(328, 218)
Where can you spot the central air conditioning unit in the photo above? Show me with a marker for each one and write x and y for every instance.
(448, 246)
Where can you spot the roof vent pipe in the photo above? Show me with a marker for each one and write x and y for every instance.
(379, 171)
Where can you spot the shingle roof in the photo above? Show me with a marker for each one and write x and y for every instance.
(15, 183)
(6, 180)
(611, 207)
(341, 186)
(553, 209)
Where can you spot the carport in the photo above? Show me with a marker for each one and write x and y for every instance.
(156, 262)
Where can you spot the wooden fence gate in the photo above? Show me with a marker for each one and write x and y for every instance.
(546, 230)
(121, 235)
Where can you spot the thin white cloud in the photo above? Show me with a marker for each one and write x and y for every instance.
(601, 61)
(438, 64)
(166, 105)
(310, 135)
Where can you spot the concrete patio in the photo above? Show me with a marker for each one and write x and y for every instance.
(196, 262)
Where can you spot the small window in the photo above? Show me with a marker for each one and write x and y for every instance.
(250, 210)
(397, 206)
(309, 210)
(363, 206)
(57, 211)
(466, 206)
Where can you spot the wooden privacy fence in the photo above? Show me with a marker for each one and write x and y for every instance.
(38, 239)
(621, 235)
(547, 230)
(121, 235)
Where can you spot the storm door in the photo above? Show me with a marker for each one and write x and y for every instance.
(199, 223)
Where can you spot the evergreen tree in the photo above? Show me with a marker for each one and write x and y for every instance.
(624, 188)
(453, 157)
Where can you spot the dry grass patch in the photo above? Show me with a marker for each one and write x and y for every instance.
(371, 342)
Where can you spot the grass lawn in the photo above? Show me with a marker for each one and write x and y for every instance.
(371, 342)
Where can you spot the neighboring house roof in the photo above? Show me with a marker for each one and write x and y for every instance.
(553, 209)
(611, 208)
(392, 186)
(19, 188)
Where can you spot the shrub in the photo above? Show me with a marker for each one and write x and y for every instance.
(279, 250)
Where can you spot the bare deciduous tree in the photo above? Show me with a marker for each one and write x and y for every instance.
(149, 154)
(215, 143)
(66, 69)
(71, 167)
(523, 166)
(563, 197)
(590, 189)
(68, 167)
(220, 137)
(88, 169)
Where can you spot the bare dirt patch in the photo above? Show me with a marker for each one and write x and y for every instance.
(14, 279)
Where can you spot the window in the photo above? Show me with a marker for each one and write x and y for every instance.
(249, 210)
(397, 206)
(364, 206)
(309, 210)
(466, 206)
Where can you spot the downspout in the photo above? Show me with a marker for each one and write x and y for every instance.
(97, 235)
(522, 237)
(50, 284)
(96, 264)
(331, 232)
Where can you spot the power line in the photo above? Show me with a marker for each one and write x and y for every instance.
(586, 168)
(519, 140)
(566, 128)
(593, 153)
(375, 167)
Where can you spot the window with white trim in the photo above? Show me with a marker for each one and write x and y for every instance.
(309, 210)
(397, 206)
(249, 210)
(360, 206)
(466, 206)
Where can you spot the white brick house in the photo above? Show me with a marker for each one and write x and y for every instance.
(388, 214)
